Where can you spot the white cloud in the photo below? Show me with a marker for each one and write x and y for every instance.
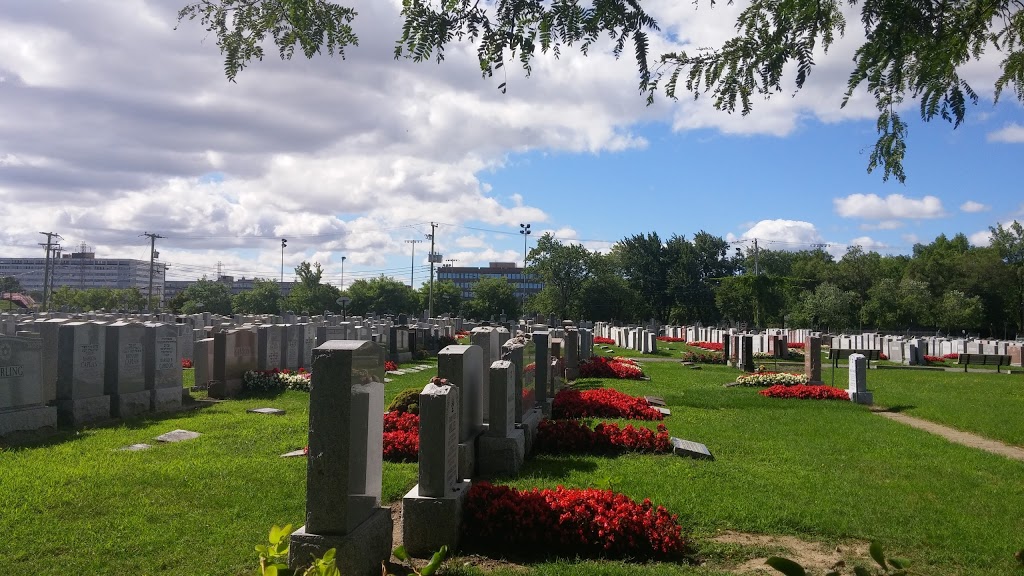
(910, 238)
(972, 206)
(883, 225)
(893, 206)
(869, 244)
(980, 238)
(787, 234)
(1011, 133)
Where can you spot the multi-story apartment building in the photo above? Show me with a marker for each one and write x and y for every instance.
(82, 270)
(464, 277)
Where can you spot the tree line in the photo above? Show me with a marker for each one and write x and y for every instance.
(947, 285)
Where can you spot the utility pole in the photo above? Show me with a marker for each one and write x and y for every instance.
(152, 257)
(284, 242)
(755, 256)
(412, 263)
(46, 267)
(433, 258)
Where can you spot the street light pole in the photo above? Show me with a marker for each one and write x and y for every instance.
(343, 272)
(284, 242)
(412, 263)
(524, 229)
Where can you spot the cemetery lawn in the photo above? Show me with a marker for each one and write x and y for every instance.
(824, 471)
(987, 404)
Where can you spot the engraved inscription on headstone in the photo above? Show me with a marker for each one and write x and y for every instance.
(166, 353)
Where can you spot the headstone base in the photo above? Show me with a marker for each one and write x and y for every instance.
(166, 399)
(224, 390)
(500, 456)
(74, 412)
(359, 553)
(27, 419)
(531, 420)
(546, 407)
(862, 397)
(429, 523)
(131, 404)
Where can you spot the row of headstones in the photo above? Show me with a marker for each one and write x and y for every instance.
(478, 418)
(99, 370)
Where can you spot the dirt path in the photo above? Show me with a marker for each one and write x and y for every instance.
(958, 436)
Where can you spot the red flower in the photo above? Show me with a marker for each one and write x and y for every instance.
(671, 339)
(805, 392)
(390, 366)
(573, 436)
(715, 346)
(186, 363)
(401, 437)
(601, 403)
(603, 340)
(604, 367)
(585, 522)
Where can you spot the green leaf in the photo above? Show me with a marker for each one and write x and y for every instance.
(435, 562)
(876, 552)
(899, 563)
(270, 570)
(786, 566)
(400, 553)
(861, 571)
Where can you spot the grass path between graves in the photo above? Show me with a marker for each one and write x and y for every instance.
(826, 472)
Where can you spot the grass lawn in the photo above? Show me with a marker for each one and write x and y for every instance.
(825, 471)
(987, 404)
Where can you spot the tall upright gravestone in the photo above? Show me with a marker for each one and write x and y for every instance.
(163, 367)
(21, 386)
(460, 366)
(81, 351)
(432, 510)
(812, 359)
(124, 377)
(343, 472)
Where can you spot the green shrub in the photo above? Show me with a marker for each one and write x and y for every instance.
(406, 401)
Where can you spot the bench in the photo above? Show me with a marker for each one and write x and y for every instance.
(837, 354)
(996, 360)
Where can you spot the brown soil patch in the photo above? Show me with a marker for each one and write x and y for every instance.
(815, 557)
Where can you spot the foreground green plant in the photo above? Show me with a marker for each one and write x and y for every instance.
(890, 566)
(274, 556)
(431, 567)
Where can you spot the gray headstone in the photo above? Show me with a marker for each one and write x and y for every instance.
(690, 449)
(81, 352)
(439, 441)
(177, 436)
(460, 365)
(858, 389)
(502, 399)
(124, 372)
(346, 436)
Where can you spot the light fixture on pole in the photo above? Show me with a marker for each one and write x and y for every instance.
(451, 261)
(343, 272)
(524, 229)
(412, 264)
(284, 242)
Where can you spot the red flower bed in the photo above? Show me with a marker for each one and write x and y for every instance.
(716, 346)
(882, 356)
(805, 392)
(573, 436)
(601, 403)
(936, 359)
(390, 366)
(604, 367)
(186, 363)
(671, 339)
(531, 367)
(603, 340)
(953, 356)
(703, 357)
(401, 437)
(584, 522)
(798, 345)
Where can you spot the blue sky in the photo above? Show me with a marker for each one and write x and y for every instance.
(104, 137)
